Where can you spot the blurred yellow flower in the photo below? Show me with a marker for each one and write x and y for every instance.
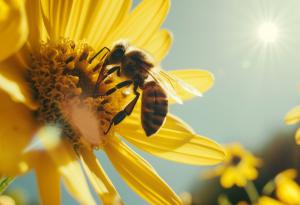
(186, 198)
(6, 200)
(264, 200)
(238, 168)
(48, 81)
(17, 195)
(13, 26)
(293, 117)
(287, 190)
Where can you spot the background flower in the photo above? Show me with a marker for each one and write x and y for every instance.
(293, 117)
(273, 166)
(239, 167)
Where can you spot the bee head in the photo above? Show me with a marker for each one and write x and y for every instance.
(117, 53)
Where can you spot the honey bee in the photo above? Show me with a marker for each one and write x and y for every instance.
(138, 68)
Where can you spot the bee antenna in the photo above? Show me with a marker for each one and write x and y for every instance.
(104, 48)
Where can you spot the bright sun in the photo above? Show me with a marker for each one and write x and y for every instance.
(268, 32)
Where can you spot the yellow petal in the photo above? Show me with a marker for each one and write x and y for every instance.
(13, 81)
(16, 131)
(240, 180)
(159, 45)
(65, 159)
(186, 198)
(293, 116)
(288, 174)
(248, 171)
(100, 181)
(297, 136)
(211, 173)
(77, 20)
(48, 179)
(106, 17)
(139, 174)
(56, 15)
(13, 27)
(140, 25)
(37, 30)
(7, 200)
(288, 192)
(202, 80)
(175, 141)
(228, 178)
(268, 201)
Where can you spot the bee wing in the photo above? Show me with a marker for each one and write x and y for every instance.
(173, 80)
(166, 85)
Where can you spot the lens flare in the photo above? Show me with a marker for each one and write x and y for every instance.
(268, 32)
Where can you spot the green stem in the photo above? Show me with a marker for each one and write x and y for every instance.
(223, 200)
(4, 183)
(269, 188)
(251, 191)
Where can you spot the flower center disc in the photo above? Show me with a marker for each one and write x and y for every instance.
(64, 80)
(235, 160)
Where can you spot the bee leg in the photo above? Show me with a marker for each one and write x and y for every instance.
(126, 112)
(119, 72)
(114, 89)
(110, 71)
(129, 108)
(102, 77)
(104, 48)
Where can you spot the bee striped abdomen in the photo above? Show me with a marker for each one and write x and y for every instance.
(154, 107)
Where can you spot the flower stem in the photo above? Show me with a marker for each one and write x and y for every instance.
(223, 200)
(251, 191)
(268, 188)
(5, 182)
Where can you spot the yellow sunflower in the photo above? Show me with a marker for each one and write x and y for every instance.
(293, 117)
(238, 168)
(265, 200)
(286, 189)
(48, 81)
